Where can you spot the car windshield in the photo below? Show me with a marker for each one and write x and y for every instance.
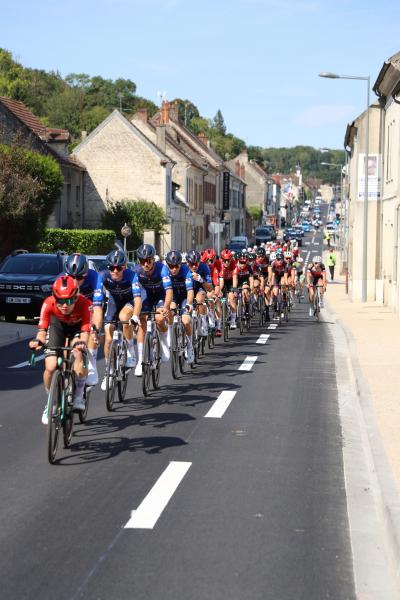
(100, 263)
(31, 265)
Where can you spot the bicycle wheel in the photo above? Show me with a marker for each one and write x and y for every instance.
(195, 341)
(175, 351)
(156, 366)
(225, 321)
(67, 409)
(181, 349)
(146, 364)
(240, 316)
(211, 338)
(54, 414)
(111, 376)
(123, 373)
(86, 396)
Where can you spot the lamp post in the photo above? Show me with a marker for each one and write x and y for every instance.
(341, 186)
(329, 75)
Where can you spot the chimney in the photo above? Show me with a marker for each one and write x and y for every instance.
(83, 135)
(160, 133)
(164, 112)
(141, 115)
(174, 112)
(204, 139)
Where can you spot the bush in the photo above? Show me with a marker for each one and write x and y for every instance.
(87, 241)
(139, 214)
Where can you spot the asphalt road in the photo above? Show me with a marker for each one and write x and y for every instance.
(157, 500)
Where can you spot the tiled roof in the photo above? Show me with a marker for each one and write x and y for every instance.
(258, 168)
(57, 135)
(23, 113)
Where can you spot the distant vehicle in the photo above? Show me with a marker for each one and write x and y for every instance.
(97, 261)
(238, 242)
(306, 226)
(291, 233)
(265, 233)
(26, 279)
(307, 202)
(331, 226)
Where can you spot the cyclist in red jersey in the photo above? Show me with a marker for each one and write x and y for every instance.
(215, 265)
(226, 282)
(260, 270)
(243, 277)
(278, 274)
(65, 314)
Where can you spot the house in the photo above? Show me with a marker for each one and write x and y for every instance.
(256, 179)
(123, 163)
(18, 125)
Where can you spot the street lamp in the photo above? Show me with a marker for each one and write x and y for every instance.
(329, 75)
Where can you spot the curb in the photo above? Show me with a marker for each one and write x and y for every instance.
(384, 494)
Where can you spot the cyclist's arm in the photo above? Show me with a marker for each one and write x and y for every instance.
(168, 298)
(251, 281)
(234, 280)
(190, 297)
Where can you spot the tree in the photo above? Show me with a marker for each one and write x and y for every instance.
(219, 123)
(29, 186)
(139, 214)
(256, 214)
(187, 111)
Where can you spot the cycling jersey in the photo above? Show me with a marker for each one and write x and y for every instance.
(182, 283)
(123, 291)
(226, 271)
(243, 273)
(154, 285)
(89, 284)
(204, 271)
(279, 268)
(80, 314)
(215, 269)
(314, 272)
(261, 267)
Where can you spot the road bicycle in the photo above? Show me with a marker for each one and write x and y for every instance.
(317, 300)
(281, 310)
(60, 400)
(211, 323)
(196, 334)
(178, 344)
(226, 317)
(243, 317)
(116, 373)
(151, 355)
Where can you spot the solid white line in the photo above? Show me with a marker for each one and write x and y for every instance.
(220, 405)
(26, 362)
(150, 509)
(248, 363)
(263, 338)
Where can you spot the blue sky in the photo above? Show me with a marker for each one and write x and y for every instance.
(256, 60)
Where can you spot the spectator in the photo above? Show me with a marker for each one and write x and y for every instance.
(332, 263)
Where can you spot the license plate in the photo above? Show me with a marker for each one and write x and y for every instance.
(17, 300)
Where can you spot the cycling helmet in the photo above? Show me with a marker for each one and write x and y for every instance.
(173, 258)
(279, 255)
(204, 256)
(261, 252)
(317, 259)
(116, 258)
(288, 254)
(65, 287)
(300, 260)
(211, 253)
(193, 257)
(251, 256)
(272, 256)
(146, 251)
(76, 265)
(242, 257)
(226, 254)
(249, 249)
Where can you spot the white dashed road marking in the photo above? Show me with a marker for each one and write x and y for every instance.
(150, 509)
(248, 363)
(263, 338)
(220, 405)
(26, 362)
(273, 326)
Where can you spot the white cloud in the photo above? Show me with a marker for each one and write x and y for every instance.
(325, 114)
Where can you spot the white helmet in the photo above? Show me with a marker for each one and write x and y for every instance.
(249, 249)
(300, 260)
(272, 256)
(317, 259)
(156, 258)
(288, 254)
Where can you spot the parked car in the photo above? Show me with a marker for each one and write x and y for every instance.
(265, 233)
(238, 243)
(26, 279)
(291, 233)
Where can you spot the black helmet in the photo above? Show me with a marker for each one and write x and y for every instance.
(76, 265)
(251, 256)
(261, 252)
(146, 251)
(193, 257)
(173, 258)
(241, 256)
(116, 258)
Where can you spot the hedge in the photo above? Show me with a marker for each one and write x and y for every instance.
(87, 241)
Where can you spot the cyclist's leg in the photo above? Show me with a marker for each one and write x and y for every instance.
(202, 310)
(125, 314)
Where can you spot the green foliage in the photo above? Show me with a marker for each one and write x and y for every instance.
(87, 241)
(139, 214)
(218, 123)
(256, 213)
(187, 111)
(285, 160)
(29, 186)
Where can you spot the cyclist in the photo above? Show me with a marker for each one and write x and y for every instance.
(226, 282)
(278, 275)
(243, 277)
(77, 266)
(316, 275)
(214, 264)
(202, 284)
(155, 280)
(183, 295)
(298, 266)
(64, 315)
(260, 271)
(124, 303)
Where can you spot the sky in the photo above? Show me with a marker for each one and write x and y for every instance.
(255, 60)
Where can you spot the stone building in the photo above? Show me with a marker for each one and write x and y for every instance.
(18, 125)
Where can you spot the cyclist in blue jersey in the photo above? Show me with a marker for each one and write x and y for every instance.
(155, 281)
(77, 266)
(182, 286)
(202, 284)
(124, 302)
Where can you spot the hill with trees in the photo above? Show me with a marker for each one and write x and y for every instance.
(79, 102)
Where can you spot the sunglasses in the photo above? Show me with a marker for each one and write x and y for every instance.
(196, 264)
(67, 301)
(226, 260)
(115, 268)
(143, 261)
(173, 266)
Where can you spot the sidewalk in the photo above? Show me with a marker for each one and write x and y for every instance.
(15, 332)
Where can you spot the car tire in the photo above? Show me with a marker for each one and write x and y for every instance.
(10, 317)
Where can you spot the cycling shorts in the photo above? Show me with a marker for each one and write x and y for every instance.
(114, 308)
(58, 332)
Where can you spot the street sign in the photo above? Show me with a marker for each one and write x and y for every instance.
(126, 231)
(214, 227)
